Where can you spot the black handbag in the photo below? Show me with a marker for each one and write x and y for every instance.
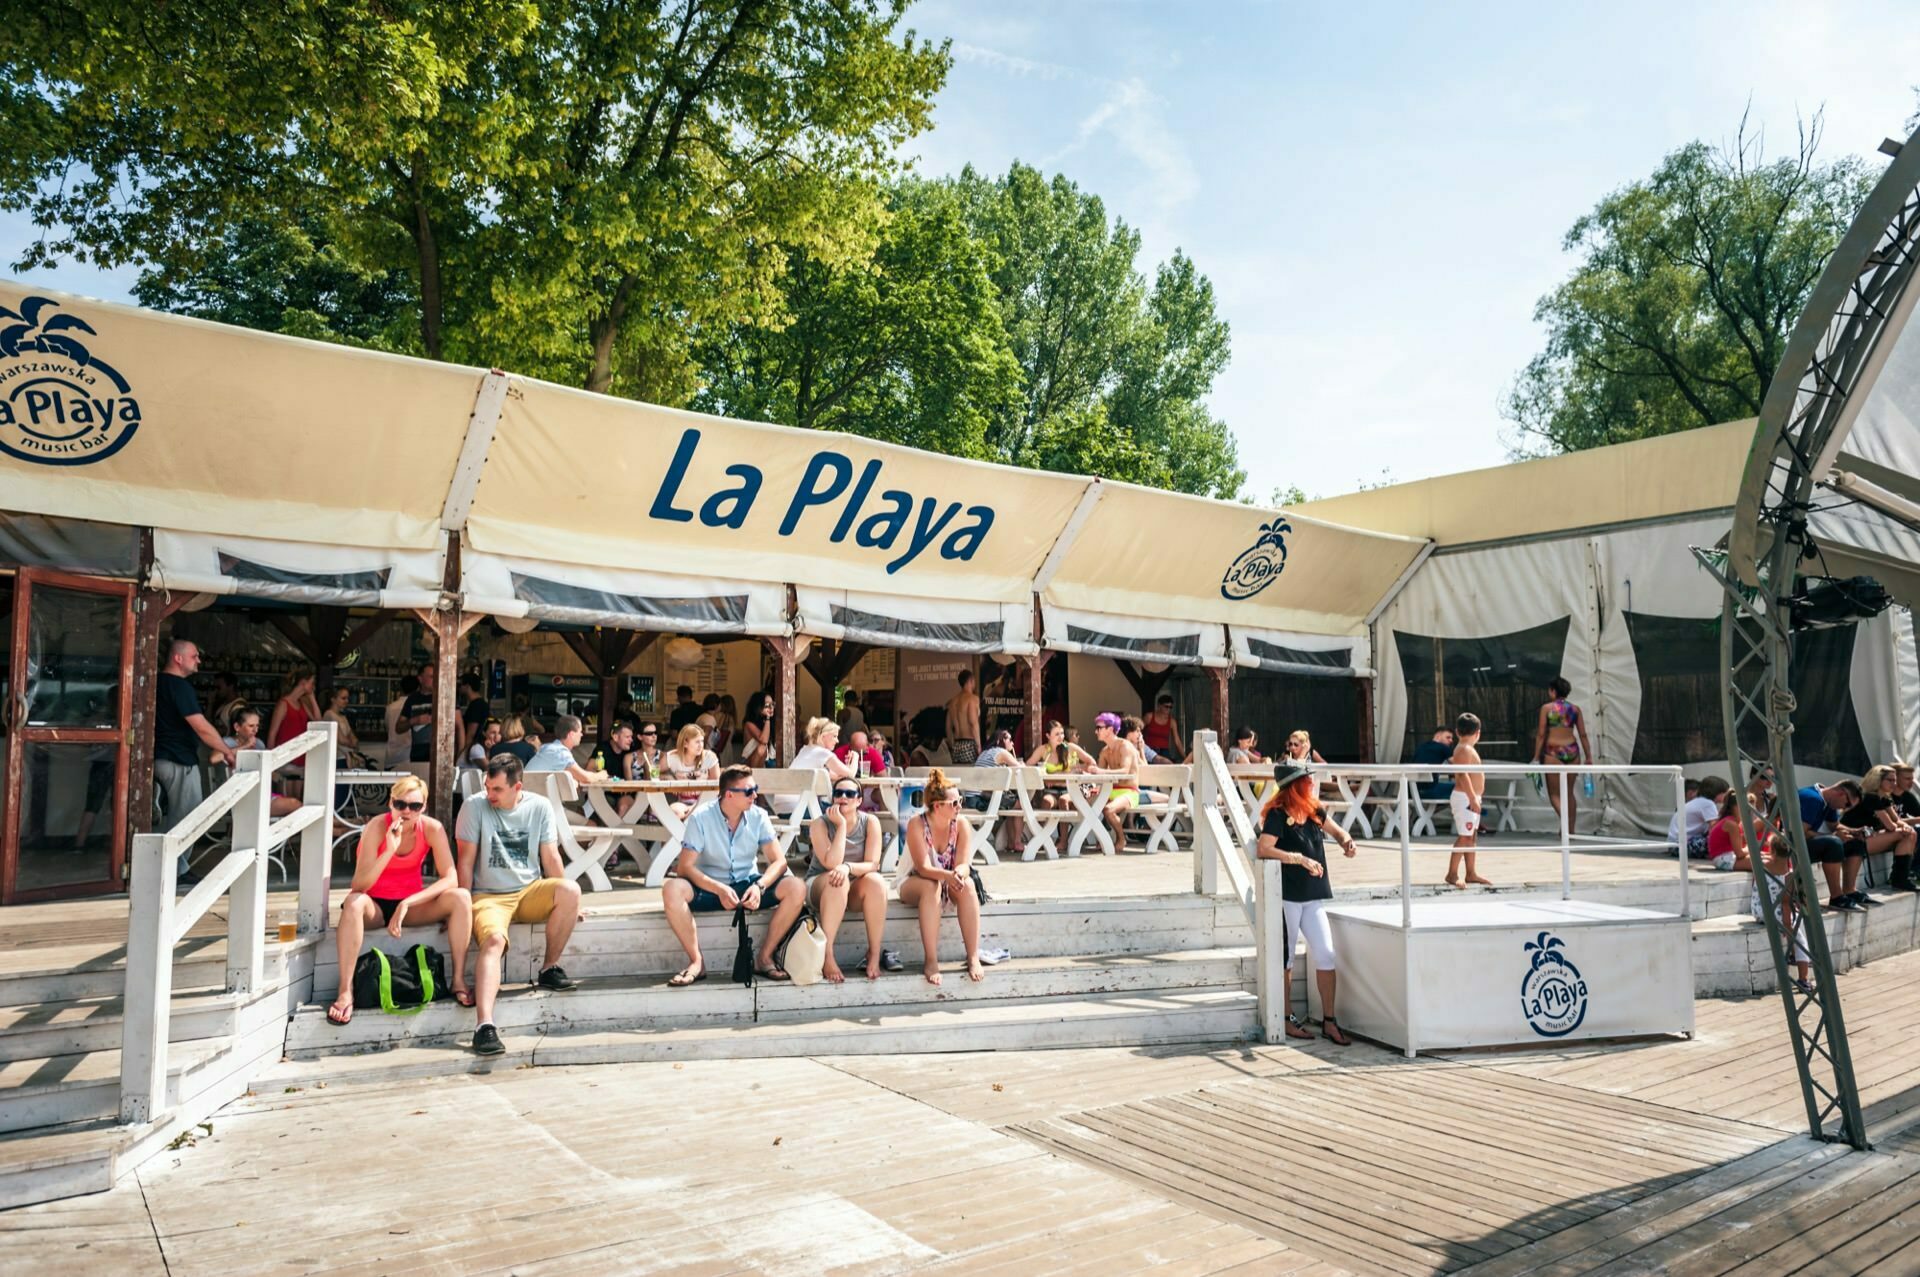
(743, 949)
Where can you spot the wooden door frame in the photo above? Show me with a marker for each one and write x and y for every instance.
(20, 735)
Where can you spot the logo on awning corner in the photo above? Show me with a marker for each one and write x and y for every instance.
(1259, 563)
(60, 404)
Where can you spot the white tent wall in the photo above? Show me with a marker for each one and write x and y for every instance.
(1594, 584)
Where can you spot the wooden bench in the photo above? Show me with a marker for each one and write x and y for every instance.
(1176, 782)
(584, 848)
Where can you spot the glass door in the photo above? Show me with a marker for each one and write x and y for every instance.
(66, 714)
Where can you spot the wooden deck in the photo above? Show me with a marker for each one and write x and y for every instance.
(1675, 1157)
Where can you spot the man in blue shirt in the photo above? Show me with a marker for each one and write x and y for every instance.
(1436, 750)
(720, 852)
(1820, 810)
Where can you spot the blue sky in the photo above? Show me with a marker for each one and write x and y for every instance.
(1377, 191)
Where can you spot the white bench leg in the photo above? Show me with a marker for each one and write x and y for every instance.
(586, 863)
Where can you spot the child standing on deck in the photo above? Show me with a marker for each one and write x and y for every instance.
(1468, 788)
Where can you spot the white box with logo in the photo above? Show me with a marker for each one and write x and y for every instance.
(1481, 973)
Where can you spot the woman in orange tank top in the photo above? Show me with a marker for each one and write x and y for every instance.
(389, 889)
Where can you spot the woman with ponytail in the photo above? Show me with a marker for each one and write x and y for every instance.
(1293, 828)
(941, 844)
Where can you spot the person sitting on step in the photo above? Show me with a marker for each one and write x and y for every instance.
(940, 843)
(719, 869)
(389, 891)
(1837, 846)
(510, 860)
(1877, 813)
(846, 874)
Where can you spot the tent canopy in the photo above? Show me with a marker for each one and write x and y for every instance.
(1693, 472)
(321, 473)
(130, 416)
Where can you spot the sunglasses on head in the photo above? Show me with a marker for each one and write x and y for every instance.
(402, 804)
(748, 790)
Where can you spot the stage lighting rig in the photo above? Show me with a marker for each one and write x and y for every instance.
(1827, 603)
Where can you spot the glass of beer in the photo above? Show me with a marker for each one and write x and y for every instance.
(289, 926)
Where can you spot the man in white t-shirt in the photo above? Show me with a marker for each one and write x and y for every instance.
(557, 755)
(1699, 814)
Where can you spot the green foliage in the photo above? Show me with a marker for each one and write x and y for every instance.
(905, 345)
(1688, 284)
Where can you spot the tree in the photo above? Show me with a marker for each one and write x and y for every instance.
(286, 278)
(1114, 373)
(573, 185)
(904, 345)
(1679, 309)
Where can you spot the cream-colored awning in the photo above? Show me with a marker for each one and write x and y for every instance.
(130, 416)
(1145, 553)
(1665, 477)
(584, 478)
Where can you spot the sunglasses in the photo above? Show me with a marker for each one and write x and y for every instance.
(648, 735)
(401, 804)
(748, 790)
(846, 793)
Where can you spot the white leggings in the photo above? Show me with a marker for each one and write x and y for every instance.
(1308, 918)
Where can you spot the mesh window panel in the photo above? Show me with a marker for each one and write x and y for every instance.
(560, 601)
(77, 545)
(1680, 711)
(1826, 732)
(371, 581)
(948, 636)
(1500, 677)
(1292, 660)
(1180, 649)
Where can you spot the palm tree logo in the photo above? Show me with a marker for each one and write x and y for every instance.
(1257, 566)
(1553, 997)
(31, 330)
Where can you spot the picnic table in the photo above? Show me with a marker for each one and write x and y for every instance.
(1087, 793)
(660, 795)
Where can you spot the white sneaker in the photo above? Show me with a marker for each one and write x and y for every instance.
(1723, 861)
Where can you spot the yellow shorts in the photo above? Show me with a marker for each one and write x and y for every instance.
(1123, 799)
(495, 913)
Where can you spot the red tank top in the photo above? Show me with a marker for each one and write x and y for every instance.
(401, 877)
(292, 723)
(1157, 734)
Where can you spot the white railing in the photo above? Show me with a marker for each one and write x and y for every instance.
(1223, 833)
(157, 921)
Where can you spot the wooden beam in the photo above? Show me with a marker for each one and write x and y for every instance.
(446, 713)
(1222, 679)
(582, 647)
(1367, 754)
(1035, 666)
(784, 694)
(354, 641)
(1145, 685)
(149, 610)
(301, 640)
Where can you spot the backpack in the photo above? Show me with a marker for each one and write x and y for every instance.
(403, 985)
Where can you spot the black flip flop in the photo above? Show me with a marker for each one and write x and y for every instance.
(675, 981)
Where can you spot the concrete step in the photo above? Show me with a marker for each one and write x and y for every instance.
(51, 1163)
(616, 1002)
(617, 939)
(94, 1024)
(62, 975)
(1104, 1019)
(1731, 957)
(85, 1086)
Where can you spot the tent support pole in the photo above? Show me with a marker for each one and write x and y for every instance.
(1035, 666)
(1367, 754)
(149, 610)
(444, 634)
(785, 693)
(1222, 678)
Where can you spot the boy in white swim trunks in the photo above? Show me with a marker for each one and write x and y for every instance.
(1468, 788)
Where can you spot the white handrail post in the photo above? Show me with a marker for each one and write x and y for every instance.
(1206, 853)
(1680, 823)
(247, 898)
(1406, 858)
(316, 840)
(1270, 954)
(1566, 844)
(149, 987)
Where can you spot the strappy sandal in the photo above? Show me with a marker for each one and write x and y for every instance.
(1330, 1028)
(1295, 1029)
(686, 977)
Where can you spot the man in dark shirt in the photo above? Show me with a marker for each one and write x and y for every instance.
(473, 715)
(417, 713)
(686, 711)
(179, 729)
(1906, 802)
(1430, 753)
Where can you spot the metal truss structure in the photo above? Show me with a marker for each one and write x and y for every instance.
(1858, 307)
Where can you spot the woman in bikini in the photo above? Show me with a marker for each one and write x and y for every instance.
(388, 890)
(1056, 757)
(941, 844)
(1561, 737)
